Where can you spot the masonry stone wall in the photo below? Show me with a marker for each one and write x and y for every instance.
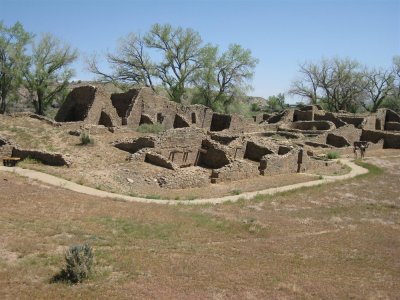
(237, 170)
(300, 115)
(48, 158)
(213, 155)
(390, 140)
(392, 126)
(337, 140)
(328, 116)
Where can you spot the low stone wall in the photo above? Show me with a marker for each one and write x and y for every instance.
(159, 160)
(281, 164)
(312, 125)
(213, 155)
(328, 116)
(390, 140)
(134, 145)
(48, 158)
(303, 115)
(237, 170)
(255, 152)
(356, 121)
(308, 127)
(337, 140)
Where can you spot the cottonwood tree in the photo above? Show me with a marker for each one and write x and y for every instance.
(223, 77)
(175, 59)
(337, 83)
(180, 50)
(392, 101)
(49, 73)
(276, 103)
(13, 60)
(131, 64)
(308, 85)
(379, 86)
(177, 50)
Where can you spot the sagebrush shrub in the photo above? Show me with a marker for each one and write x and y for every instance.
(78, 264)
(79, 261)
(86, 139)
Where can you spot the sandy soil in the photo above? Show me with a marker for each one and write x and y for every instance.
(336, 241)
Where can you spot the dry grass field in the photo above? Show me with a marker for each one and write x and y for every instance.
(339, 241)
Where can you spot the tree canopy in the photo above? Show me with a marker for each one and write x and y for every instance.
(176, 59)
(48, 75)
(13, 60)
(344, 84)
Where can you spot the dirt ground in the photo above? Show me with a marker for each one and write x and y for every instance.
(340, 240)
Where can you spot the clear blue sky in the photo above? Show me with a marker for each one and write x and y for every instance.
(281, 34)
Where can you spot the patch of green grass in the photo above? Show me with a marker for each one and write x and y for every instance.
(155, 197)
(29, 161)
(332, 155)
(372, 169)
(131, 229)
(150, 128)
(208, 221)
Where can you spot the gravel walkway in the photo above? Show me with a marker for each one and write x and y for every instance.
(56, 181)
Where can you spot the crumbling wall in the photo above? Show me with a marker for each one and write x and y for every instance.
(134, 145)
(221, 138)
(369, 122)
(392, 126)
(77, 104)
(328, 116)
(300, 115)
(312, 125)
(390, 140)
(212, 155)
(280, 164)
(48, 158)
(159, 160)
(284, 116)
(237, 170)
(179, 146)
(220, 122)
(392, 116)
(5, 147)
(90, 105)
(145, 119)
(337, 140)
(255, 152)
(105, 119)
(180, 122)
(356, 121)
(123, 102)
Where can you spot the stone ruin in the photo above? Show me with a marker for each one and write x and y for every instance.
(213, 147)
(93, 105)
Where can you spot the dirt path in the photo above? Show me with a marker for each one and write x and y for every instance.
(53, 180)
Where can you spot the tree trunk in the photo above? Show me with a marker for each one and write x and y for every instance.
(3, 103)
(39, 108)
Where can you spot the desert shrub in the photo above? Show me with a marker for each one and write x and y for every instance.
(332, 155)
(78, 263)
(236, 192)
(150, 128)
(86, 139)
